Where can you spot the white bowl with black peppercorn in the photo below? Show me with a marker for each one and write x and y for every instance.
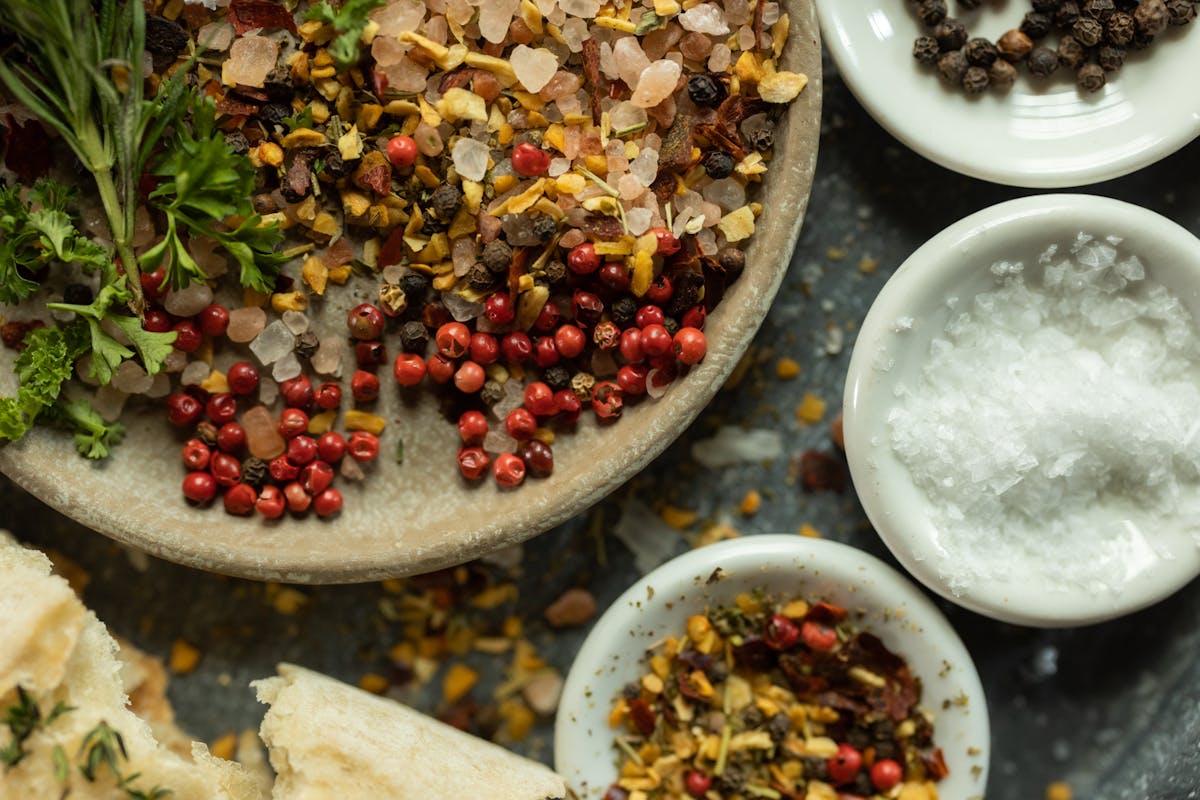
(765, 577)
(1066, 129)
(1020, 411)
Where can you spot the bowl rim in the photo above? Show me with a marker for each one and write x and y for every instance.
(744, 558)
(238, 549)
(904, 529)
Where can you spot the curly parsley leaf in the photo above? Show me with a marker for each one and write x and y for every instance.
(107, 352)
(206, 184)
(45, 364)
(94, 438)
(349, 21)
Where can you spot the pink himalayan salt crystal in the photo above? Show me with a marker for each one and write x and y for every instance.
(738, 12)
(250, 60)
(437, 30)
(608, 61)
(705, 18)
(534, 67)
(664, 112)
(262, 434)
(572, 238)
(245, 324)
(659, 43)
(631, 62)
(630, 187)
(564, 84)
(568, 105)
(695, 46)
(495, 17)
(397, 17)
(720, 59)
(215, 37)
(407, 75)
(387, 51)
(580, 8)
(574, 32)
(459, 11)
(639, 220)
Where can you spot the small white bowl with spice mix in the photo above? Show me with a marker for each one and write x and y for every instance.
(1020, 411)
(772, 666)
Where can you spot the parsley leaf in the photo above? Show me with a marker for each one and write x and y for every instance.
(349, 21)
(47, 362)
(94, 438)
(206, 184)
(107, 352)
(650, 22)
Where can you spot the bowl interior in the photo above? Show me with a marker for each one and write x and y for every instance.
(418, 515)
(1039, 134)
(956, 264)
(659, 605)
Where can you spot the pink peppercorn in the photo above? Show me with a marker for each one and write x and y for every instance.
(509, 470)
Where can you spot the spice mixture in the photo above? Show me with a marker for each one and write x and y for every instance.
(1094, 38)
(1052, 425)
(775, 699)
(549, 197)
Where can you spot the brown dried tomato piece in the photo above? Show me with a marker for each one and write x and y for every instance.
(826, 613)
(392, 251)
(822, 472)
(601, 226)
(935, 764)
(642, 716)
(233, 106)
(374, 173)
(753, 653)
(246, 15)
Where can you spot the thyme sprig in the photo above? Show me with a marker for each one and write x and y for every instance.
(22, 719)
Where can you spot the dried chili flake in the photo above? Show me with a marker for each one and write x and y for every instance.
(248, 15)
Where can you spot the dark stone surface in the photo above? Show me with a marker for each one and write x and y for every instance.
(1113, 709)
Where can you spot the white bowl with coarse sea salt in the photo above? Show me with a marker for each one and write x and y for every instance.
(1022, 410)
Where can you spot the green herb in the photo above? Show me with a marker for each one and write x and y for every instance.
(107, 352)
(400, 452)
(31, 239)
(94, 438)
(650, 22)
(349, 21)
(47, 361)
(304, 119)
(104, 747)
(207, 183)
(22, 720)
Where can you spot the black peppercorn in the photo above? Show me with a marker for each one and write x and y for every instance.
(1151, 17)
(480, 278)
(975, 80)
(950, 34)
(761, 137)
(1090, 77)
(1046, 6)
(623, 310)
(1014, 45)
(1071, 53)
(1120, 28)
(1002, 75)
(1181, 12)
(671, 324)
(1141, 40)
(78, 294)
(163, 37)
(415, 286)
(491, 393)
(953, 67)
(254, 471)
(1035, 25)
(1099, 9)
(274, 113)
(980, 52)
(338, 167)
(445, 200)
(307, 345)
(1110, 57)
(414, 338)
(931, 12)
(1043, 62)
(689, 288)
(1066, 15)
(555, 271)
(497, 256)
(926, 50)
(544, 227)
(705, 90)
(731, 260)
(557, 377)
(237, 142)
(1088, 32)
(718, 164)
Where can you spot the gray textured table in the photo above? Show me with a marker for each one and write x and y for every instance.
(1113, 709)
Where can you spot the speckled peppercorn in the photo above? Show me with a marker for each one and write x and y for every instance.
(1088, 32)
(1181, 12)
(497, 256)
(1120, 28)
(1151, 17)
(1047, 6)
(1043, 62)
(950, 34)
(975, 80)
(980, 52)
(1091, 78)
(953, 67)
(1036, 26)
(970, 5)
(1071, 53)
(926, 50)
(1098, 9)
(1066, 15)
(1002, 75)
(1110, 58)
(931, 12)
(1014, 45)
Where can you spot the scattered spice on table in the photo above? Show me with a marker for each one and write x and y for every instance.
(547, 198)
(1094, 38)
(774, 698)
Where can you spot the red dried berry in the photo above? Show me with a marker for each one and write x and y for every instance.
(214, 320)
(484, 349)
(583, 259)
(188, 337)
(283, 470)
(499, 308)
(183, 410)
(694, 317)
(516, 347)
(154, 284)
(226, 469)
(369, 355)
(697, 783)
(614, 275)
(818, 636)
(196, 454)
(271, 503)
(453, 339)
(292, 422)
(632, 379)
(656, 340)
(441, 369)
(199, 487)
(409, 369)
(231, 438)
(364, 386)
(156, 321)
(402, 151)
(365, 322)
(301, 450)
(472, 427)
(242, 378)
(530, 161)
(240, 500)
(331, 447)
(469, 378)
(221, 408)
(660, 291)
(631, 345)
(509, 470)
(886, 774)
(327, 503)
(668, 243)
(328, 396)
(539, 398)
(690, 345)
(316, 477)
(473, 463)
(845, 765)
(545, 352)
(649, 315)
(363, 446)
(607, 400)
(538, 458)
(520, 424)
(569, 406)
(297, 392)
(298, 500)
(548, 318)
(781, 633)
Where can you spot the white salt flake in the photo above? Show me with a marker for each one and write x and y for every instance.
(273, 343)
(470, 158)
(534, 67)
(734, 445)
(651, 540)
(705, 18)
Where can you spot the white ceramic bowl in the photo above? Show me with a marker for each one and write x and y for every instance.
(659, 604)
(956, 263)
(1045, 134)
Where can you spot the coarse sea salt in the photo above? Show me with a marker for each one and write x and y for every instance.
(1053, 426)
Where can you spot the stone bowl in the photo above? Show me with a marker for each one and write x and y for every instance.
(417, 516)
